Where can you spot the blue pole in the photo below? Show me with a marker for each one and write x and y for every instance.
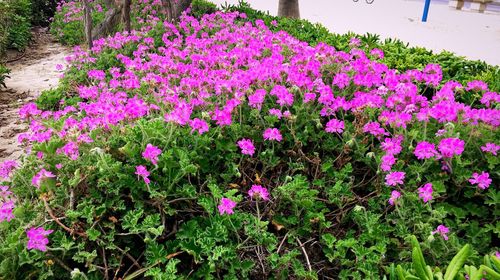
(426, 10)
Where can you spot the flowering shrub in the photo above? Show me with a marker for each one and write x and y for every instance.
(216, 148)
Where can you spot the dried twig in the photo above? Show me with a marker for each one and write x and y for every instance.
(51, 213)
(305, 254)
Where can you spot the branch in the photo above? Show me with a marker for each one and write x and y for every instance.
(51, 214)
(305, 254)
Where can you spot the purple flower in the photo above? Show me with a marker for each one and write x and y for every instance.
(387, 162)
(255, 100)
(257, 191)
(226, 206)
(425, 150)
(6, 168)
(395, 178)
(272, 134)
(394, 196)
(246, 146)
(491, 148)
(451, 146)
(425, 192)
(482, 180)
(6, 211)
(41, 175)
(374, 129)
(141, 171)
(443, 231)
(37, 238)
(198, 125)
(4, 192)
(334, 126)
(151, 153)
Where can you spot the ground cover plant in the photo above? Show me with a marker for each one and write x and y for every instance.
(217, 148)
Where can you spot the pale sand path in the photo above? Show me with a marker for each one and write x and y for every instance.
(30, 76)
(473, 35)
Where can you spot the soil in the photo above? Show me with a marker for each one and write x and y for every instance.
(31, 73)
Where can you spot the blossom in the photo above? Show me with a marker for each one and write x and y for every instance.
(272, 134)
(4, 191)
(70, 150)
(425, 150)
(226, 206)
(141, 171)
(425, 192)
(37, 238)
(259, 192)
(388, 161)
(6, 168)
(42, 174)
(395, 178)
(151, 153)
(255, 100)
(448, 147)
(246, 146)
(374, 129)
(394, 196)
(198, 125)
(442, 230)
(334, 125)
(491, 148)
(482, 180)
(6, 211)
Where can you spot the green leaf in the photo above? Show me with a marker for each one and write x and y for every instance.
(457, 262)
(418, 260)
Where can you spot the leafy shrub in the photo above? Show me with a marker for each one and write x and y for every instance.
(420, 270)
(216, 148)
(15, 17)
(42, 12)
(4, 74)
(67, 25)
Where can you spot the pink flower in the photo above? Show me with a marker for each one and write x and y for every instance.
(151, 153)
(394, 196)
(276, 112)
(6, 211)
(272, 134)
(334, 126)
(37, 238)
(374, 129)
(41, 175)
(425, 150)
(246, 146)
(491, 148)
(442, 230)
(6, 168)
(70, 150)
(482, 180)
(387, 162)
(257, 191)
(198, 125)
(392, 145)
(4, 192)
(425, 192)
(141, 171)
(255, 100)
(226, 206)
(395, 178)
(451, 146)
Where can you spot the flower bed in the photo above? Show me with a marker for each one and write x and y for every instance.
(216, 148)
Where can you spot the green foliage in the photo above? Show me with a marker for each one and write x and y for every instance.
(4, 74)
(15, 24)
(456, 269)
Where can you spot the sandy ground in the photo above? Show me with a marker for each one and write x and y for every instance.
(469, 34)
(33, 73)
